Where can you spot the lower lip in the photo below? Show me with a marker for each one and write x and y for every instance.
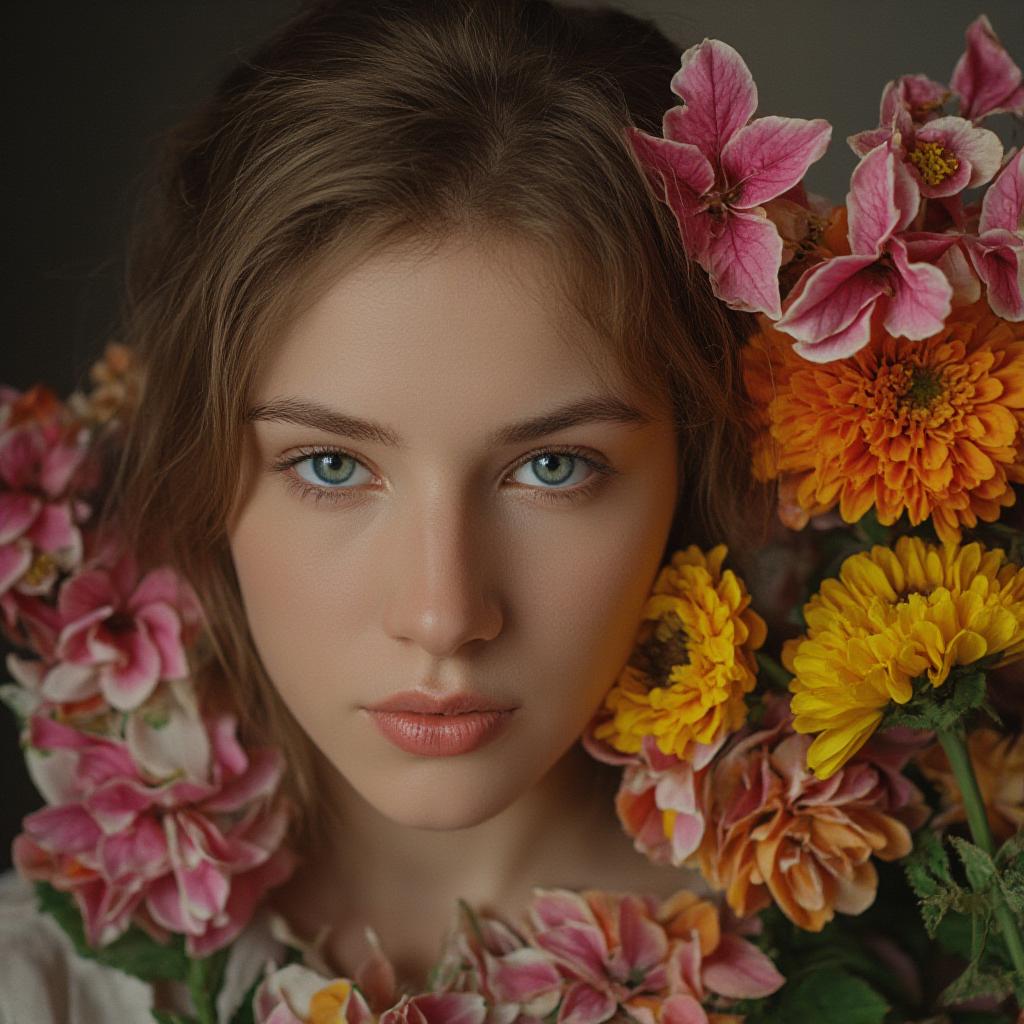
(439, 735)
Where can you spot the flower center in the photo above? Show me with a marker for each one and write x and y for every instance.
(39, 570)
(933, 162)
(665, 649)
(925, 388)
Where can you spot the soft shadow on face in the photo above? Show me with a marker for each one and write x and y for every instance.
(441, 556)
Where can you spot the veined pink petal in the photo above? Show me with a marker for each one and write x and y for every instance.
(874, 199)
(1003, 205)
(720, 96)
(863, 142)
(682, 1009)
(444, 1008)
(550, 908)
(843, 343)
(998, 257)
(521, 975)
(164, 629)
(977, 151)
(128, 684)
(18, 510)
(919, 96)
(163, 901)
(770, 155)
(743, 262)
(584, 1004)
(204, 890)
(921, 299)
(67, 829)
(644, 942)
(985, 76)
(84, 593)
(580, 948)
(830, 297)
(739, 970)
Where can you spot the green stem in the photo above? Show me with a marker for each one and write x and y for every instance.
(977, 820)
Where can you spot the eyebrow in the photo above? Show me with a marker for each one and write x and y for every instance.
(306, 413)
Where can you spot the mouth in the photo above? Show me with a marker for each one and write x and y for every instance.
(433, 725)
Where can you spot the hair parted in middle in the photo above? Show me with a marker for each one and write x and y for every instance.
(360, 125)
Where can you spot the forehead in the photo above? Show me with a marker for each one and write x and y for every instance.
(467, 324)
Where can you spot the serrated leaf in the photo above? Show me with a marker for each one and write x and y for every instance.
(135, 953)
(975, 982)
(927, 866)
(834, 996)
(977, 863)
(939, 708)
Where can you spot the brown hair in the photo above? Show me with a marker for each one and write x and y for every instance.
(361, 124)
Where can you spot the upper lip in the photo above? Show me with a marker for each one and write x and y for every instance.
(436, 704)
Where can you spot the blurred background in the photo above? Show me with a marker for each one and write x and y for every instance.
(92, 86)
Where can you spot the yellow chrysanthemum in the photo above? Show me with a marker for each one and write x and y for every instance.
(895, 615)
(693, 661)
(933, 428)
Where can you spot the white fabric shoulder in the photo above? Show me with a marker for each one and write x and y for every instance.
(44, 981)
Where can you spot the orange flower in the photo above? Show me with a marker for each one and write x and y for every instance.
(998, 763)
(781, 835)
(934, 428)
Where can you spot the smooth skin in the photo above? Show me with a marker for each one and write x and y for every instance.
(431, 555)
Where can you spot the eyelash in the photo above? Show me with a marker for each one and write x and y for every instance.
(602, 471)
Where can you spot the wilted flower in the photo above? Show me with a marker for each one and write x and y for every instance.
(998, 764)
(934, 430)
(779, 834)
(716, 168)
(175, 828)
(692, 664)
(831, 308)
(892, 616)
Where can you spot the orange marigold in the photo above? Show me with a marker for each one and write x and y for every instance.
(934, 427)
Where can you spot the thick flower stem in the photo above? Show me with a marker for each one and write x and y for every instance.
(977, 821)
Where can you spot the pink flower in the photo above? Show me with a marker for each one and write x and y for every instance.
(191, 852)
(437, 1008)
(715, 168)
(997, 251)
(293, 993)
(944, 156)
(121, 635)
(986, 77)
(40, 454)
(831, 307)
(485, 954)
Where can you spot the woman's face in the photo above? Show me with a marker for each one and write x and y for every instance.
(447, 496)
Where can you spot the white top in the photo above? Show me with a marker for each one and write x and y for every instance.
(43, 979)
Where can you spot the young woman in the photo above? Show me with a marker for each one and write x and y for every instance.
(430, 391)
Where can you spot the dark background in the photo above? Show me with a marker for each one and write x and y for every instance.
(93, 84)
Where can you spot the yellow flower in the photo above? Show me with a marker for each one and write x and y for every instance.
(934, 428)
(329, 1004)
(893, 616)
(693, 661)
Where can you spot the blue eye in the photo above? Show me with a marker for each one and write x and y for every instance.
(556, 468)
(330, 469)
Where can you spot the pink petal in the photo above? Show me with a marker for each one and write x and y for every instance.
(128, 684)
(977, 150)
(644, 942)
(550, 908)
(522, 975)
(770, 155)
(918, 96)
(843, 343)
(743, 263)
(682, 1009)
(583, 1004)
(260, 779)
(720, 96)
(67, 682)
(985, 76)
(164, 629)
(580, 948)
(68, 829)
(139, 850)
(84, 593)
(59, 465)
(54, 530)
(879, 200)
(164, 902)
(739, 970)
(921, 300)
(863, 142)
(830, 297)
(18, 510)
(1003, 205)
(687, 832)
(999, 260)
(116, 804)
(451, 1007)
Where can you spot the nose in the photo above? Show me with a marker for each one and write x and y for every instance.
(442, 599)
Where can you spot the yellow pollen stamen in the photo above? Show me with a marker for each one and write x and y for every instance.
(933, 162)
(39, 569)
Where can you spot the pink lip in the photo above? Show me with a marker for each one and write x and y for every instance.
(420, 723)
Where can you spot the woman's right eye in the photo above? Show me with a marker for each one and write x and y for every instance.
(331, 470)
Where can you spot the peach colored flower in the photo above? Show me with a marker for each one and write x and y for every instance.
(934, 429)
(998, 762)
(782, 835)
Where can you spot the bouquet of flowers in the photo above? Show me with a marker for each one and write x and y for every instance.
(860, 733)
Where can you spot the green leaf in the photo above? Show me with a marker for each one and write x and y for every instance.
(943, 707)
(927, 865)
(205, 977)
(977, 863)
(834, 996)
(166, 1017)
(136, 953)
